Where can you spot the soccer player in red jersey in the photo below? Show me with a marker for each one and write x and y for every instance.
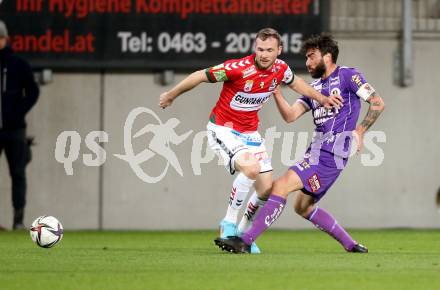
(232, 128)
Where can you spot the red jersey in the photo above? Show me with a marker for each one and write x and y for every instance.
(245, 89)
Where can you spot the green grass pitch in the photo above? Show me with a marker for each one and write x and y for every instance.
(398, 259)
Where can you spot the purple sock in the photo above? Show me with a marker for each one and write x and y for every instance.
(264, 218)
(327, 223)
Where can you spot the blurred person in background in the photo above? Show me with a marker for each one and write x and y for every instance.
(18, 94)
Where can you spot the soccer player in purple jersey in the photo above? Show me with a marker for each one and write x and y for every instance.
(328, 153)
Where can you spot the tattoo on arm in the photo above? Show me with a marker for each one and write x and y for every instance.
(373, 112)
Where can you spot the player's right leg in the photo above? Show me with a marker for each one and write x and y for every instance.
(317, 179)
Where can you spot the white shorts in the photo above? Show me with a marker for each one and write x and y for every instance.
(229, 144)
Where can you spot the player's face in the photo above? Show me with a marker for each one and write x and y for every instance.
(315, 63)
(266, 52)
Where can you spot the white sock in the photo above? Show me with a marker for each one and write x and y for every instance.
(252, 207)
(239, 191)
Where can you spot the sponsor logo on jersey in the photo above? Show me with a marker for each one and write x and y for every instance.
(322, 115)
(273, 85)
(357, 80)
(249, 71)
(335, 91)
(248, 85)
(249, 102)
(220, 75)
(314, 183)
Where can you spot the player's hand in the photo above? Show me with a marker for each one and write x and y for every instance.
(332, 101)
(277, 92)
(358, 136)
(165, 100)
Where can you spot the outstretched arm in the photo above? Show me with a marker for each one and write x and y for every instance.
(303, 88)
(290, 113)
(185, 85)
(377, 106)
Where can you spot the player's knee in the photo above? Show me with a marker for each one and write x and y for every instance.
(303, 205)
(252, 171)
(248, 165)
(279, 188)
(300, 210)
(264, 194)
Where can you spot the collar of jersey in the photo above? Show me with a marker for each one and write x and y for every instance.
(336, 71)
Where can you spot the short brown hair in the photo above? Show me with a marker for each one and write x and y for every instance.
(268, 32)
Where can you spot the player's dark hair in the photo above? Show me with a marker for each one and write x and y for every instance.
(324, 43)
(268, 32)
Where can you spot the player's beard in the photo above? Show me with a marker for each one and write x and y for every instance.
(261, 66)
(319, 70)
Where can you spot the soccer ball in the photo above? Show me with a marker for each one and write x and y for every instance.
(46, 231)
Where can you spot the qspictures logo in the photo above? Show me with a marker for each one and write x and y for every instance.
(163, 141)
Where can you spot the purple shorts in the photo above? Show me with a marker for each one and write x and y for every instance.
(318, 174)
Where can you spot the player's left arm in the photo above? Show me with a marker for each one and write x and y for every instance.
(377, 105)
(303, 88)
(290, 113)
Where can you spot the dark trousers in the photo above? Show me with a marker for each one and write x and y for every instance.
(14, 144)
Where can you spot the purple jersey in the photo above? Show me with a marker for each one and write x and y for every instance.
(328, 153)
(333, 127)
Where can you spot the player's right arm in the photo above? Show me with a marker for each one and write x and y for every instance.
(219, 73)
(290, 113)
(190, 82)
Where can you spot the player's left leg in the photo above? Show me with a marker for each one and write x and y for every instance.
(305, 206)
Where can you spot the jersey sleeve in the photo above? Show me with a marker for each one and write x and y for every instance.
(288, 76)
(222, 72)
(359, 85)
(305, 102)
